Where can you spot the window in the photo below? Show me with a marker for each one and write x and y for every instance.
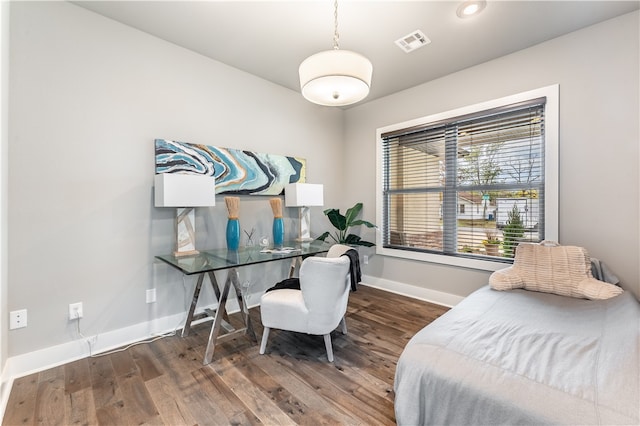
(465, 187)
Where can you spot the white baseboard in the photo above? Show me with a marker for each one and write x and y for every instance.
(5, 390)
(420, 293)
(42, 359)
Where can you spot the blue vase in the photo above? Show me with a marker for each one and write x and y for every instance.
(233, 234)
(278, 232)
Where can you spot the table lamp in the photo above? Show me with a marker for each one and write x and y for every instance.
(184, 192)
(303, 195)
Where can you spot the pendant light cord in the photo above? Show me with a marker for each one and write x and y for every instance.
(336, 36)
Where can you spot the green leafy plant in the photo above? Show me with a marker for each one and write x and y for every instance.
(342, 225)
(513, 231)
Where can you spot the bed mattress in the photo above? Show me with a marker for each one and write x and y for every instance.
(522, 357)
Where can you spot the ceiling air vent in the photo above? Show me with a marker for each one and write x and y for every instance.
(412, 41)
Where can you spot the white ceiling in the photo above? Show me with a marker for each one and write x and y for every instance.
(271, 38)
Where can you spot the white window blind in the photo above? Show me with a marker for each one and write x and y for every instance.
(468, 186)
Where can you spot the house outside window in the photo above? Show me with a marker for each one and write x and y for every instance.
(467, 186)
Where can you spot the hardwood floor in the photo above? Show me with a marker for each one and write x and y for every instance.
(164, 382)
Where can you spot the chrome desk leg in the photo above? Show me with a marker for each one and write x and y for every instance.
(216, 290)
(186, 329)
(192, 308)
(232, 279)
(292, 268)
(215, 328)
(214, 284)
(295, 262)
(242, 303)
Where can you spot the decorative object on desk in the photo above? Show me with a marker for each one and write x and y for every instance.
(342, 225)
(304, 195)
(236, 171)
(280, 250)
(184, 192)
(278, 222)
(233, 224)
(250, 242)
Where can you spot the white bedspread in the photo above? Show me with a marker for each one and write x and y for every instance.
(522, 357)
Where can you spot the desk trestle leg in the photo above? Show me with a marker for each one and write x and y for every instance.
(214, 337)
(191, 315)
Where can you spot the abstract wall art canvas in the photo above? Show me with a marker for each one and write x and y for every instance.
(235, 171)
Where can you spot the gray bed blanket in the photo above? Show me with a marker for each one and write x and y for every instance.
(522, 357)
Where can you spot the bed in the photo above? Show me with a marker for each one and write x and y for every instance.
(524, 357)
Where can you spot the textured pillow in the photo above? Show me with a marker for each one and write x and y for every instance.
(551, 268)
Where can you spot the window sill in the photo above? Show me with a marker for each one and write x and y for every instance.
(461, 262)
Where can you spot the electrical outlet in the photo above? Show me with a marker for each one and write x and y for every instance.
(75, 310)
(365, 259)
(151, 295)
(17, 319)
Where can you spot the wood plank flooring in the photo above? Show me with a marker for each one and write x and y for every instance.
(164, 382)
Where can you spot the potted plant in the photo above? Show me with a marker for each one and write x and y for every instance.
(342, 225)
(491, 243)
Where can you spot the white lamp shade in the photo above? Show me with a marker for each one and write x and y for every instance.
(335, 77)
(182, 190)
(303, 195)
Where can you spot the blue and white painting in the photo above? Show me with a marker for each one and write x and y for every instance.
(235, 171)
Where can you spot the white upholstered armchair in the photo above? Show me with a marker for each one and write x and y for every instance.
(317, 308)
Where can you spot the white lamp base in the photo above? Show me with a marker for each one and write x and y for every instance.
(304, 225)
(185, 233)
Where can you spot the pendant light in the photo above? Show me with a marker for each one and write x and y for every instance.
(335, 77)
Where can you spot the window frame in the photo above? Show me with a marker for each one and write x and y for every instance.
(551, 156)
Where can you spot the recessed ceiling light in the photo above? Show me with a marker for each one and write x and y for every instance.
(470, 8)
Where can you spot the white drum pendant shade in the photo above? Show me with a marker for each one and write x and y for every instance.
(335, 77)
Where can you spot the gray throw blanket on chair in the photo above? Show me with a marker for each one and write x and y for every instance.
(356, 274)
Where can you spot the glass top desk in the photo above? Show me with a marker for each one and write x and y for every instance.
(207, 262)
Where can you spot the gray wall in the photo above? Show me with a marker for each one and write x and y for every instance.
(598, 72)
(87, 98)
(4, 143)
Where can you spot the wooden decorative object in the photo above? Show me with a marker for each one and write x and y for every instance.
(233, 206)
(276, 207)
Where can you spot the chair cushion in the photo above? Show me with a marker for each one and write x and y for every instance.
(284, 309)
(549, 268)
